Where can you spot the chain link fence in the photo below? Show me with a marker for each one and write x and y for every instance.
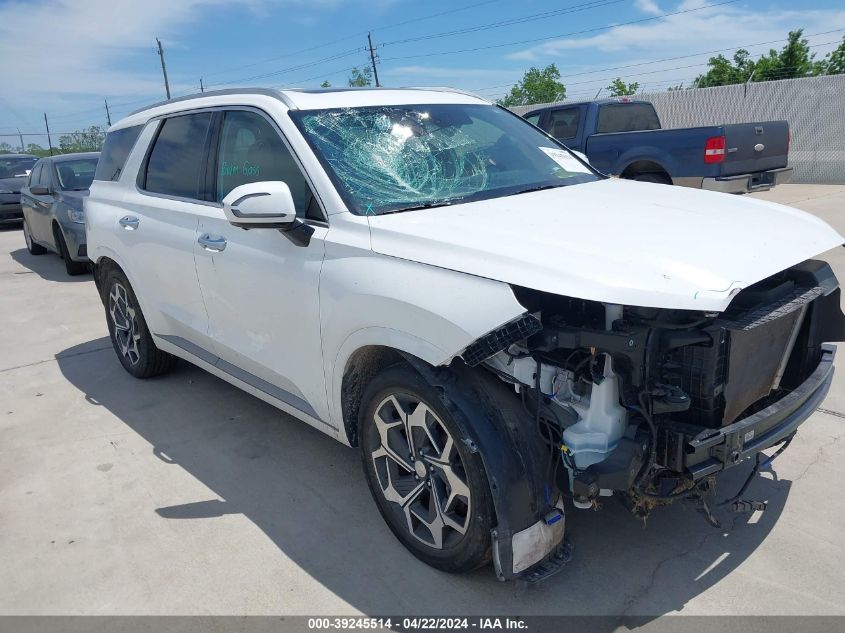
(814, 107)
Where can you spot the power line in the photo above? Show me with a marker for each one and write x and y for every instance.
(592, 4)
(554, 37)
(282, 71)
(663, 70)
(354, 35)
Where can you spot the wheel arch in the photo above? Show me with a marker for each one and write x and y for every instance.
(362, 357)
(644, 166)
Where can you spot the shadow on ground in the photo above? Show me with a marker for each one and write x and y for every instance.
(48, 266)
(307, 493)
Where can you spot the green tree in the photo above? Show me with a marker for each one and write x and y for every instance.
(536, 86)
(793, 60)
(834, 62)
(90, 140)
(361, 77)
(724, 72)
(5, 148)
(325, 84)
(619, 88)
(37, 150)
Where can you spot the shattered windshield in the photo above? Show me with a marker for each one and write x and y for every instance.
(396, 158)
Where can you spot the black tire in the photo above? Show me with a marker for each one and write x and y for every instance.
(661, 179)
(144, 359)
(458, 551)
(31, 246)
(73, 268)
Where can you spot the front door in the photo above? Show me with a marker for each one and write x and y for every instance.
(260, 288)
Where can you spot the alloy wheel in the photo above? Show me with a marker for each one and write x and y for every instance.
(420, 470)
(125, 323)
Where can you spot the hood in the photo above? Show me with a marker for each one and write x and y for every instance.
(615, 241)
(13, 184)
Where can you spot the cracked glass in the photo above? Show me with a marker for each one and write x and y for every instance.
(386, 159)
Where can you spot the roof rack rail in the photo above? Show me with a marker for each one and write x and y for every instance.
(226, 91)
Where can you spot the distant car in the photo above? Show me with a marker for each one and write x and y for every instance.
(14, 170)
(52, 208)
(623, 137)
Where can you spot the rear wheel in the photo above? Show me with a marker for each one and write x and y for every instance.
(32, 247)
(72, 267)
(431, 490)
(128, 330)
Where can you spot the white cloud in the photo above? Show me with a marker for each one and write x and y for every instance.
(57, 52)
(648, 6)
(708, 29)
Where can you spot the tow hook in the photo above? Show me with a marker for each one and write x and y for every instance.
(742, 506)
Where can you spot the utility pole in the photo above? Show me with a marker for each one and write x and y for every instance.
(49, 140)
(373, 60)
(163, 68)
(21, 137)
(202, 88)
(108, 114)
(598, 93)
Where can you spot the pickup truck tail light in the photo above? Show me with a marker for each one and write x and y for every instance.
(714, 149)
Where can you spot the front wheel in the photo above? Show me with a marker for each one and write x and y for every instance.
(430, 488)
(128, 330)
(71, 267)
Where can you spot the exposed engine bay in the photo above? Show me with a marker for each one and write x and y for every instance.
(651, 403)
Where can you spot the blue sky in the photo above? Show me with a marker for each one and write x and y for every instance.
(65, 57)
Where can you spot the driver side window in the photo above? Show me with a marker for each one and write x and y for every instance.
(251, 150)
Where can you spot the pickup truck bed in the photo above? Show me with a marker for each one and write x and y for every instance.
(624, 138)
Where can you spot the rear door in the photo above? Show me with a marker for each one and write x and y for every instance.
(27, 200)
(157, 229)
(752, 147)
(41, 205)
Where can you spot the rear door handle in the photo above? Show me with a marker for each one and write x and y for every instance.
(214, 243)
(129, 222)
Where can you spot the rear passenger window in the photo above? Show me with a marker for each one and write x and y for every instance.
(175, 166)
(251, 150)
(115, 152)
(563, 124)
(534, 119)
(632, 117)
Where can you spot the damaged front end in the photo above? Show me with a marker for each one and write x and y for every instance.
(652, 403)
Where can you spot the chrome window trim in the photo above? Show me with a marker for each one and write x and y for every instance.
(219, 205)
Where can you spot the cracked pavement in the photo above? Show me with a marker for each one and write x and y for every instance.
(183, 495)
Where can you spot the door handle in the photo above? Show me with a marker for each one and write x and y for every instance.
(129, 222)
(213, 243)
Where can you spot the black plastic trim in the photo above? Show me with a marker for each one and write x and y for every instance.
(718, 449)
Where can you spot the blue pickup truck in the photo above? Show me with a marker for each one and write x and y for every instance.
(623, 137)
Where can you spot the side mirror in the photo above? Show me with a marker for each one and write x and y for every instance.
(40, 190)
(267, 205)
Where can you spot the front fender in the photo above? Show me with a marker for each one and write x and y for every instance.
(428, 312)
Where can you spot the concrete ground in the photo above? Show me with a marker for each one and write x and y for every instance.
(184, 495)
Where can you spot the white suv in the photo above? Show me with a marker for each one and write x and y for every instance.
(496, 325)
